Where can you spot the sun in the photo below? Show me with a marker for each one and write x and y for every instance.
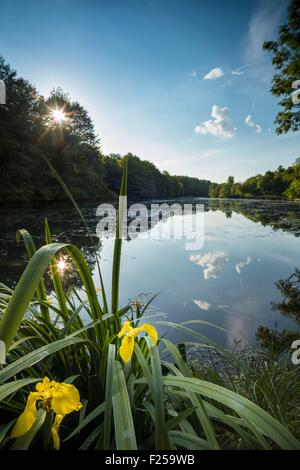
(61, 265)
(58, 115)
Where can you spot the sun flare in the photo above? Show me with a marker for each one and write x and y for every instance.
(58, 115)
(61, 265)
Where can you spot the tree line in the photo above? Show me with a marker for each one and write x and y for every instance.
(283, 183)
(62, 130)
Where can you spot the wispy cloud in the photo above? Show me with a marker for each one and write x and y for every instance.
(214, 73)
(263, 26)
(240, 70)
(249, 122)
(193, 74)
(220, 124)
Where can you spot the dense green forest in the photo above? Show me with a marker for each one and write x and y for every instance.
(32, 126)
(283, 183)
(61, 130)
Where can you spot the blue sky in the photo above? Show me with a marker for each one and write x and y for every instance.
(138, 66)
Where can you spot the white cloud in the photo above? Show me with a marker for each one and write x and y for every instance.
(214, 73)
(193, 74)
(212, 263)
(249, 122)
(241, 264)
(202, 304)
(240, 70)
(219, 126)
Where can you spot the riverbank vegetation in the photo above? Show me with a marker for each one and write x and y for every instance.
(283, 183)
(82, 374)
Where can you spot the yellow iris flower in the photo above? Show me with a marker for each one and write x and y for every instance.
(50, 395)
(129, 333)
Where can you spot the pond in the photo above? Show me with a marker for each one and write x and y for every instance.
(249, 245)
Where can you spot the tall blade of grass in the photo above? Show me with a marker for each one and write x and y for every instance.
(41, 290)
(157, 409)
(238, 425)
(177, 420)
(188, 441)
(118, 241)
(230, 422)
(162, 441)
(60, 295)
(106, 445)
(123, 422)
(196, 400)
(11, 387)
(4, 430)
(73, 318)
(69, 194)
(90, 417)
(36, 356)
(29, 281)
(91, 438)
(264, 422)
(258, 435)
(24, 291)
(145, 307)
(206, 341)
(87, 280)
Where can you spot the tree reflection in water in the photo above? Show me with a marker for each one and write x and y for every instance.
(273, 339)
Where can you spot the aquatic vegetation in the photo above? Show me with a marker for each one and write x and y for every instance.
(130, 391)
(51, 396)
(129, 333)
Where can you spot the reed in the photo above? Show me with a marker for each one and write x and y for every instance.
(153, 401)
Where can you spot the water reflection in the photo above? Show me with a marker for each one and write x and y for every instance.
(66, 227)
(212, 263)
(249, 245)
(280, 215)
(202, 304)
(277, 340)
(242, 264)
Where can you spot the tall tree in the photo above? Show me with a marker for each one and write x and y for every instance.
(20, 116)
(75, 120)
(286, 60)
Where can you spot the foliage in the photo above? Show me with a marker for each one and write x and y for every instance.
(278, 341)
(26, 133)
(267, 378)
(286, 60)
(281, 183)
(151, 402)
(28, 129)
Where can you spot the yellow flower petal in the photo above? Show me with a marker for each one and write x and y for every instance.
(152, 332)
(55, 438)
(54, 431)
(126, 329)
(27, 418)
(126, 349)
(45, 388)
(65, 399)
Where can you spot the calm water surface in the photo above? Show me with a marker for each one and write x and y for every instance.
(248, 246)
